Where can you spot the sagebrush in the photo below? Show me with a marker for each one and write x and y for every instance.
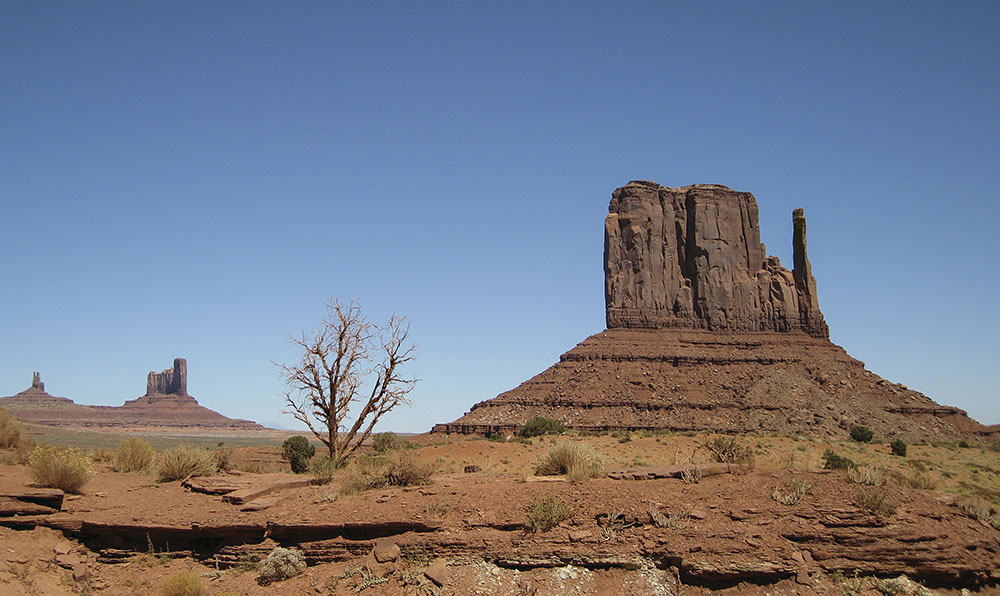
(571, 459)
(545, 514)
(540, 425)
(281, 563)
(399, 468)
(185, 583)
(179, 463)
(10, 430)
(390, 441)
(133, 455)
(65, 468)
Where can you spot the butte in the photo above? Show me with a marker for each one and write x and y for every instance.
(707, 333)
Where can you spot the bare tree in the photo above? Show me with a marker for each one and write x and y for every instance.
(348, 362)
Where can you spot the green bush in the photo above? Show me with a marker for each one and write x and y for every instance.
(133, 455)
(572, 459)
(390, 441)
(540, 425)
(898, 447)
(65, 468)
(280, 564)
(832, 461)
(861, 433)
(322, 469)
(179, 463)
(10, 430)
(185, 583)
(874, 500)
(298, 451)
(399, 468)
(545, 514)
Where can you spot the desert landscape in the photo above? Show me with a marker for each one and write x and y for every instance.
(711, 439)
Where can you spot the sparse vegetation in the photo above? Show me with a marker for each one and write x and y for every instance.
(400, 468)
(298, 451)
(861, 433)
(867, 475)
(874, 500)
(980, 510)
(322, 470)
(691, 475)
(133, 455)
(540, 425)
(545, 514)
(64, 468)
(390, 441)
(280, 564)
(794, 491)
(223, 458)
(179, 463)
(728, 450)
(917, 480)
(185, 583)
(898, 447)
(832, 461)
(10, 430)
(572, 459)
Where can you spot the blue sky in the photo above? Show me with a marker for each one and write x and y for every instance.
(195, 179)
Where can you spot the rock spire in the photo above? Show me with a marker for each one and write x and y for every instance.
(692, 257)
(172, 381)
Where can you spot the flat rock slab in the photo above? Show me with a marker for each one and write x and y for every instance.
(49, 497)
(243, 488)
(245, 495)
(10, 507)
(675, 471)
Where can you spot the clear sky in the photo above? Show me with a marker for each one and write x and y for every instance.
(191, 179)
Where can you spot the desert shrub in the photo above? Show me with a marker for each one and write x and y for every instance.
(322, 469)
(298, 451)
(179, 463)
(496, 438)
(572, 459)
(622, 436)
(399, 468)
(874, 500)
(980, 510)
(794, 492)
(867, 475)
(917, 480)
(10, 430)
(964, 444)
(545, 514)
(540, 425)
(832, 461)
(898, 447)
(861, 433)
(65, 468)
(102, 455)
(223, 458)
(133, 455)
(728, 450)
(389, 441)
(24, 449)
(280, 564)
(185, 583)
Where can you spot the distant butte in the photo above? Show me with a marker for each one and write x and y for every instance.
(165, 404)
(705, 332)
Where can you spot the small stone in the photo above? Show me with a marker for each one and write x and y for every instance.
(437, 572)
(385, 550)
(579, 535)
(802, 577)
(80, 572)
(61, 549)
(696, 514)
(68, 561)
(472, 469)
(377, 569)
(808, 557)
(798, 558)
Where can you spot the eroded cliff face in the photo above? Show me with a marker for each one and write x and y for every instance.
(692, 257)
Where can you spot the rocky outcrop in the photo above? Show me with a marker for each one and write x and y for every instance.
(166, 404)
(172, 381)
(706, 333)
(692, 257)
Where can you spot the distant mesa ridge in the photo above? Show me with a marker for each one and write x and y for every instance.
(706, 332)
(165, 404)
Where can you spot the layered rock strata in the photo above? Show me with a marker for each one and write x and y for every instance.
(706, 333)
(166, 404)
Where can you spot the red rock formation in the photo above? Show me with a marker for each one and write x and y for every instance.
(705, 333)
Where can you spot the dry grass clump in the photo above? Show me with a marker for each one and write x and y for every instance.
(917, 480)
(10, 430)
(545, 514)
(280, 564)
(179, 463)
(874, 500)
(133, 455)
(795, 490)
(399, 468)
(185, 583)
(571, 459)
(981, 510)
(867, 475)
(64, 468)
(223, 458)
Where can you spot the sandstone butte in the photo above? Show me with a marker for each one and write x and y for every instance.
(165, 404)
(705, 332)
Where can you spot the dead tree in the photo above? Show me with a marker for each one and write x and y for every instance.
(348, 363)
